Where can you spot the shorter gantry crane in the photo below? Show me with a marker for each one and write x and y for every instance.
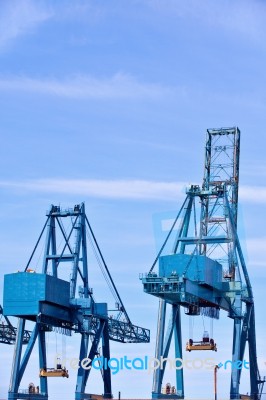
(52, 302)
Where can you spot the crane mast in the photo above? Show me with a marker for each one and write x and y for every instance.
(206, 271)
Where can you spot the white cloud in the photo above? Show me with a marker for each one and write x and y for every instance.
(253, 194)
(85, 86)
(254, 168)
(256, 247)
(20, 17)
(123, 189)
(116, 189)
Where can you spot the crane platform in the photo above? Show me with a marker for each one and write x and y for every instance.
(201, 345)
(54, 372)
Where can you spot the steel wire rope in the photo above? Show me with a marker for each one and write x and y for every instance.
(196, 235)
(102, 268)
(211, 327)
(190, 328)
(41, 253)
(64, 233)
(63, 350)
(169, 233)
(189, 261)
(37, 243)
(123, 310)
(64, 230)
(203, 322)
(56, 342)
(48, 340)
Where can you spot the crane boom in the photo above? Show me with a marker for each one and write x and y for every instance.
(8, 332)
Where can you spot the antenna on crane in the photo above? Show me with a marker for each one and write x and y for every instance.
(207, 272)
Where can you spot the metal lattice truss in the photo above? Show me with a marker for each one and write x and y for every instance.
(8, 332)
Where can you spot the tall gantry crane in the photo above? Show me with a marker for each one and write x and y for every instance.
(205, 271)
(51, 302)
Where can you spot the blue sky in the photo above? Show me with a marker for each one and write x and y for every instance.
(108, 102)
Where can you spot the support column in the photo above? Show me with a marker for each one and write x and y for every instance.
(14, 380)
(106, 356)
(157, 375)
(43, 362)
(178, 351)
(235, 373)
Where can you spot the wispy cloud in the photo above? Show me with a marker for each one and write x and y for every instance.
(122, 189)
(254, 194)
(256, 247)
(116, 189)
(20, 17)
(85, 86)
(254, 168)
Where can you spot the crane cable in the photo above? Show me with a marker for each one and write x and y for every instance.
(37, 243)
(107, 272)
(63, 350)
(167, 237)
(101, 266)
(191, 326)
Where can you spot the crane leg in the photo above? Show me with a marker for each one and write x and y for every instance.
(14, 381)
(83, 373)
(163, 343)
(178, 351)
(106, 371)
(42, 362)
(235, 372)
(253, 368)
(158, 373)
(80, 386)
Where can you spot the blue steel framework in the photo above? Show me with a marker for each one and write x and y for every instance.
(206, 270)
(8, 332)
(80, 313)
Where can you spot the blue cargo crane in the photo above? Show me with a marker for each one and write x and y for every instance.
(52, 302)
(205, 270)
